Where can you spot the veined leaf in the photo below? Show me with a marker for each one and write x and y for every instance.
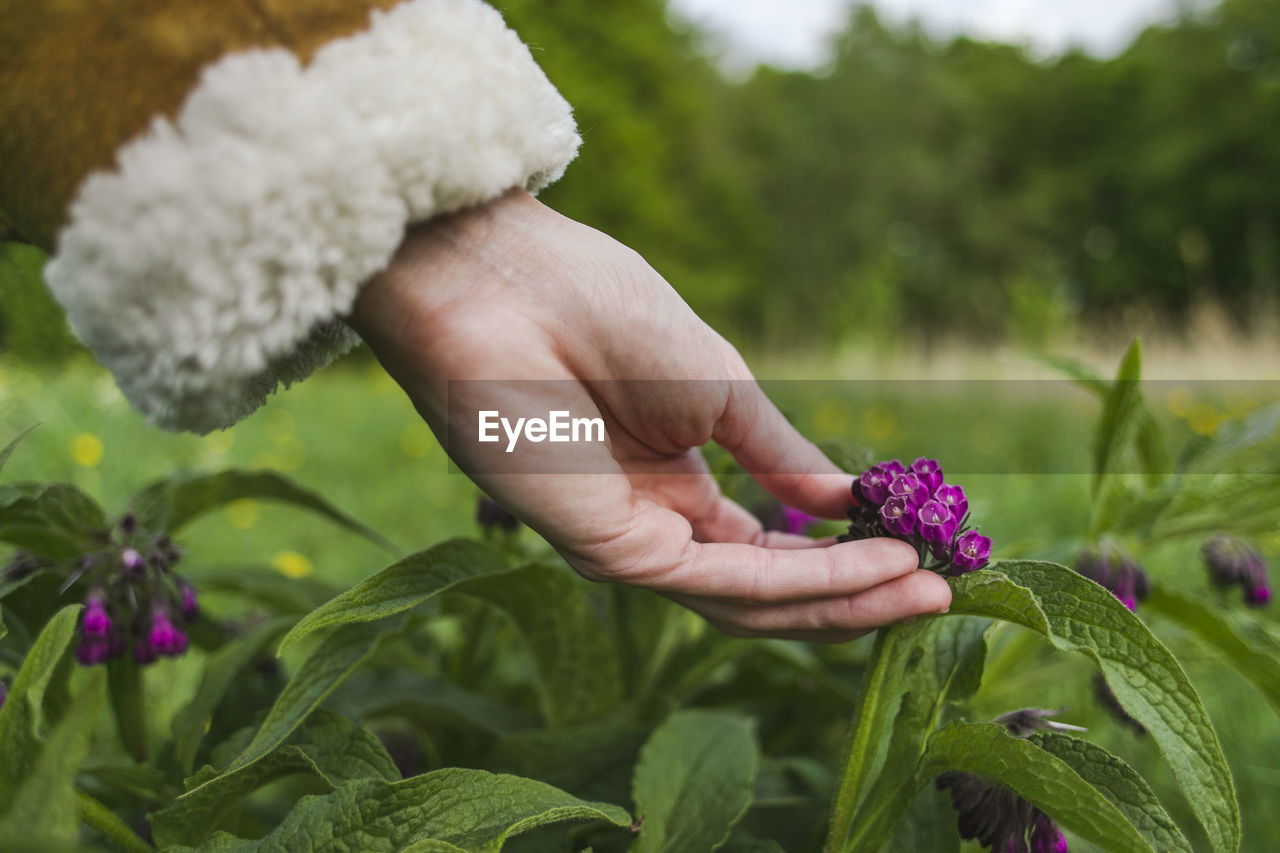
(220, 669)
(1120, 784)
(264, 585)
(401, 586)
(169, 505)
(1051, 784)
(339, 655)
(579, 674)
(1076, 614)
(1254, 654)
(925, 665)
(44, 813)
(22, 715)
(327, 745)
(54, 520)
(693, 781)
(471, 810)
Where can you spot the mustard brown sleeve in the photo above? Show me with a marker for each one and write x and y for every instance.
(217, 178)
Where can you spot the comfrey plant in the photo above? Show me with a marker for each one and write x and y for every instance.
(136, 602)
(1233, 562)
(917, 506)
(475, 691)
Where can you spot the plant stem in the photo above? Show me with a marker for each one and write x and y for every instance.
(868, 724)
(127, 702)
(109, 826)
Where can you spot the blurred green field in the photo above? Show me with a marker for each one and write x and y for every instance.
(351, 435)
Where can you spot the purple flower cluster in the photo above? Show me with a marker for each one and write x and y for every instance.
(135, 600)
(995, 816)
(1232, 562)
(916, 505)
(1110, 567)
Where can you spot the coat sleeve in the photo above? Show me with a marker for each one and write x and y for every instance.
(217, 178)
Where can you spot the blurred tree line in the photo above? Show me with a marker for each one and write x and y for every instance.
(914, 187)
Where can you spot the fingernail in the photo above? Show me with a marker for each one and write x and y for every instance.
(946, 609)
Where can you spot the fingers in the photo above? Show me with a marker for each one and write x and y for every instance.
(790, 466)
(833, 619)
(655, 549)
(728, 521)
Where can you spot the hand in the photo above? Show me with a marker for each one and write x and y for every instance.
(512, 290)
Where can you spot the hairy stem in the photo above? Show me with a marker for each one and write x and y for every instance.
(130, 709)
(884, 672)
(109, 826)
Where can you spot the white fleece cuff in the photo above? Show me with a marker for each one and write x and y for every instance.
(214, 262)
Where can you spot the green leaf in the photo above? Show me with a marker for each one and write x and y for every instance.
(426, 700)
(327, 745)
(1076, 614)
(336, 658)
(54, 520)
(220, 669)
(472, 810)
(1120, 784)
(693, 781)
(882, 687)
(45, 813)
(401, 586)
(1121, 411)
(579, 674)
(268, 587)
(11, 446)
(592, 760)
(1051, 784)
(928, 824)
(22, 716)
(169, 505)
(1248, 648)
(927, 665)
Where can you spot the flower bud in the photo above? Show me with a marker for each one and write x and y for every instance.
(93, 650)
(929, 472)
(97, 622)
(1257, 596)
(898, 516)
(165, 638)
(1109, 567)
(1028, 721)
(143, 651)
(133, 561)
(128, 524)
(190, 606)
(953, 497)
(973, 551)
(936, 523)
(491, 515)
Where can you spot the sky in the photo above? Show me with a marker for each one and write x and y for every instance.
(792, 33)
